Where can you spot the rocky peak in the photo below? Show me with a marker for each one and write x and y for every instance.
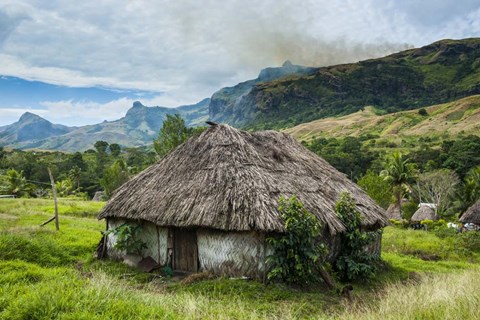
(28, 116)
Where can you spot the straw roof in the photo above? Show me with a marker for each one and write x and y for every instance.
(425, 212)
(393, 212)
(472, 215)
(229, 179)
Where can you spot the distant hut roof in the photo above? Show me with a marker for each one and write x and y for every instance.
(393, 212)
(229, 179)
(472, 215)
(426, 211)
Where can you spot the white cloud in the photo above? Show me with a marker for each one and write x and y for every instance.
(189, 49)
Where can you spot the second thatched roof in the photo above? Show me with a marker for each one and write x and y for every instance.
(229, 179)
(472, 215)
(425, 212)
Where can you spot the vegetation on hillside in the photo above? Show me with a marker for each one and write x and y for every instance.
(437, 73)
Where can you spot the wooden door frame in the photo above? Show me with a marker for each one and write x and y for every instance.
(174, 260)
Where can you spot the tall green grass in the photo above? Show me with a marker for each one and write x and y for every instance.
(439, 296)
(45, 274)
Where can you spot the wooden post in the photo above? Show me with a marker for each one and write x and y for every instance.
(54, 192)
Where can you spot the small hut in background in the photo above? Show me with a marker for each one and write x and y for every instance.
(425, 211)
(472, 215)
(210, 204)
(394, 210)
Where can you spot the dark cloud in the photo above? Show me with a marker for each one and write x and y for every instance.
(7, 25)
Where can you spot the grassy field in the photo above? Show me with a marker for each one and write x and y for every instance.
(449, 119)
(46, 274)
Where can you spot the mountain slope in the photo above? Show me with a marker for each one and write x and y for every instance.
(443, 71)
(30, 126)
(223, 104)
(140, 126)
(453, 118)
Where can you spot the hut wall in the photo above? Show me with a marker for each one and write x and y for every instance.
(112, 239)
(231, 253)
(154, 236)
(376, 246)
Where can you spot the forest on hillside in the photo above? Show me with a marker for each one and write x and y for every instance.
(365, 160)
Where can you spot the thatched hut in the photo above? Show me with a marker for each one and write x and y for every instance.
(210, 204)
(425, 211)
(394, 211)
(472, 215)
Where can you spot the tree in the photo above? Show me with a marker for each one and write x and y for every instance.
(353, 261)
(470, 190)
(3, 155)
(399, 172)
(423, 112)
(115, 149)
(74, 174)
(173, 133)
(438, 187)
(377, 188)
(297, 254)
(64, 187)
(101, 156)
(101, 146)
(14, 183)
(114, 176)
(462, 154)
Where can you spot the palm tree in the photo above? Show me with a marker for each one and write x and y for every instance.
(399, 172)
(14, 183)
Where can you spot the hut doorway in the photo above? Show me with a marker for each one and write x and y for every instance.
(185, 251)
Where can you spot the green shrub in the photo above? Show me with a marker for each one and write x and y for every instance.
(423, 112)
(127, 238)
(400, 223)
(469, 240)
(444, 232)
(354, 262)
(408, 209)
(297, 254)
(431, 225)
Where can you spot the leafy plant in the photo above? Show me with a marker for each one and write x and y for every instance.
(297, 254)
(423, 112)
(377, 188)
(127, 238)
(399, 172)
(114, 176)
(354, 261)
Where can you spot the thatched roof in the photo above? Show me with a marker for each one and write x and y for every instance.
(393, 212)
(472, 215)
(229, 179)
(425, 212)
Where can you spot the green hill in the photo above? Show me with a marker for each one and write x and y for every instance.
(437, 73)
(453, 118)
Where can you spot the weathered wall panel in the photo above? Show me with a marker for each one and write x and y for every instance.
(155, 238)
(231, 253)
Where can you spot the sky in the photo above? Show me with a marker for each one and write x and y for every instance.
(87, 61)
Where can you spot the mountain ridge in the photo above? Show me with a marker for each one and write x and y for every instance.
(138, 127)
(436, 73)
